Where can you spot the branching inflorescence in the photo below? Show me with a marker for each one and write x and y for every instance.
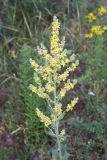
(48, 79)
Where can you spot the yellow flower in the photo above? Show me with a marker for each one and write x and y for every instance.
(49, 88)
(53, 118)
(89, 35)
(46, 120)
(48, 70)
(71, 105)
(39, 113)
(47, 56)
(33, 88)
(105, 28)
(73, 66)
(69, 85)
(42, 95)
(55, 24)
(97, 30)
(41, 92)
(53, 62)
(62, 133)
(58, 109)
(63, 76)
(91, 17)
(36, 79)
(33, 63)
(102, 10)
(55, 45)
(62, 92)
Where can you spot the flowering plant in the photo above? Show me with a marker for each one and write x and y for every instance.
(48, 79)
(94, 18)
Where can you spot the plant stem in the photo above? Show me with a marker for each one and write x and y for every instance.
(58, 140)
(57, 121)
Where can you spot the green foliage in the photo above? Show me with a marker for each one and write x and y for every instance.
(5, 154)
(96, 61)
(90, 130)
(92, 134)
(35, 133)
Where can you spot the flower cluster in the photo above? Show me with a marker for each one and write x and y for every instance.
(91, 17)
(72, 104)
(46, 120)
(96, 29)
(102, 10)
(49, 76)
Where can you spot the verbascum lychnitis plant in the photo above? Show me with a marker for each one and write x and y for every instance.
(48, 79)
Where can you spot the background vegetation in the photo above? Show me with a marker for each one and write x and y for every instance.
(23, 25)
